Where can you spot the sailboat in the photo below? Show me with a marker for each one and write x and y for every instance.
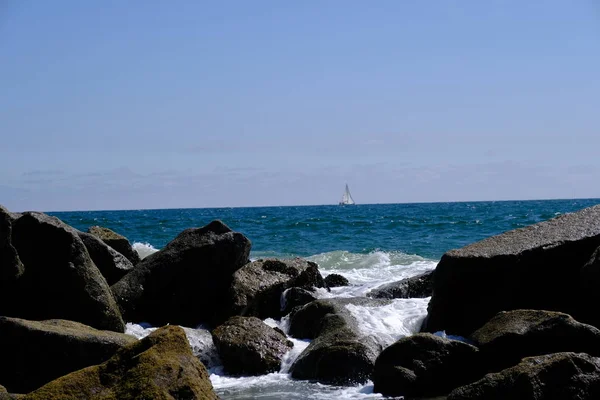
(347, 199)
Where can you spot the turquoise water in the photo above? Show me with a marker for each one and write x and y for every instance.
(425, 229)
(370, 245)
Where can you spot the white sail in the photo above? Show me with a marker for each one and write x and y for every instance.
(347, 197)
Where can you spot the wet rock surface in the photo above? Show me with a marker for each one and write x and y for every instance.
(248, 346)
(425, 365)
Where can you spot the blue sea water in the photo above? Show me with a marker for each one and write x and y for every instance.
(370, 245)
(424, 229)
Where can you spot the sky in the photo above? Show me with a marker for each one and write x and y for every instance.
(169, 104)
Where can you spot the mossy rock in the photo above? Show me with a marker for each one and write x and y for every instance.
(160, 367)
(116, 241)
(36, 352)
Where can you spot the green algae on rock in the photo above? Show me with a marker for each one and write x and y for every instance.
(160, 367)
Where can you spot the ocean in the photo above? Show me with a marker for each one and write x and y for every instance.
(368, 244)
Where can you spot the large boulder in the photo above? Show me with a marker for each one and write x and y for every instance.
(513, 335)
(59, 279)
(112, 264)
(34, 353)
(187, 282)
(11, 267)
(590, 295)
(116, 241)
(536, 267)
(340, 353)
(419, 286)
(160, 367)
(257, 287)
(425, 365)
(557, 376)
(248, 346)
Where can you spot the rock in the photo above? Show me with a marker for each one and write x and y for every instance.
(257, 287)
(589, 281)
(513, 335)
(187, 282)
(425, 365)
(248, 346)
(112, 264)
(59, 279)
(536, 267)
(294, 298)
(339, 354)
(549, 377)
(34, 353)
(161, 366)
(335, 280)
(419, 286)
(11, 267)
(117, 242)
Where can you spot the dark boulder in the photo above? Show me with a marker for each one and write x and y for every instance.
(257, 287)
(295, 297)
(112, 264)
(187, 282)
(336, 280)
(589, 295)
(11, 267)
(339, 354)
(557, 376)
(34, 353)
(59, 279)
(536, 267)
(117, 242)
(248, 346)
(161, 366)
(419, 286)
(513, 335)
(425, 365)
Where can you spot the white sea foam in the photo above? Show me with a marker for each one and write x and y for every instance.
(144, 249)
(368, 271)
(388, 323)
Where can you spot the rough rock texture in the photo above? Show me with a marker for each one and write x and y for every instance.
(11, 267)
(339, 353)
(248, 346)
(187, 282)
(557, 376)
(425, 365)
(590, 295)
(116, 241)
(257, 287)
(536, 267)
(513, 335)
(33, 353)
(419, 286)
(335, 280)
(112, 264)
(59, 279)
(294, 298)
(161, 366)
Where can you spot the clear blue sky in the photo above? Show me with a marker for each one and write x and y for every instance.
(160, 104)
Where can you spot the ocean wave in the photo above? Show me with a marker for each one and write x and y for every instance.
(144, 249)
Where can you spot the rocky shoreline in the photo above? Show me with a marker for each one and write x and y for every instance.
(523, 303)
